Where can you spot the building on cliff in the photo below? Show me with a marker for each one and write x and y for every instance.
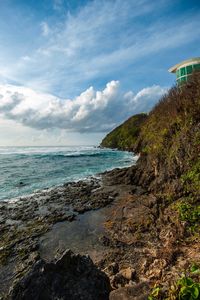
(185, 69)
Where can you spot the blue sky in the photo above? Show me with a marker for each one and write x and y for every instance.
(70, 71)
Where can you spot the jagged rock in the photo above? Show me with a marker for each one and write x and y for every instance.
(71, 277)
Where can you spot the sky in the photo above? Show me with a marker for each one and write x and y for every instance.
(72, 70)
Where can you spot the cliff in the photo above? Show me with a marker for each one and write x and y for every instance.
(167, 140)
(160, 220)
(124, 136)
(169, 143)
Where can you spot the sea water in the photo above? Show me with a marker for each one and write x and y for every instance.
(24, 170)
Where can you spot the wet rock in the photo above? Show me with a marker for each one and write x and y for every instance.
(71, 277)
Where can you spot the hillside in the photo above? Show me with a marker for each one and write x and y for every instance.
(167, 140)
(124, 136)
(169, 143)
(162, 218)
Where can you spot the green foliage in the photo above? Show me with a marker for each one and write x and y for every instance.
(188, 289)
(191, 179)
(189, 211)
(168, 140)
(124, 136)
(171, 120)
(185, 288)
(155, 293)
(195, 269)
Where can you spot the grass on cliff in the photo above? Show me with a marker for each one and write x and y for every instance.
(169, 144)
(168, 140)
(124, 136)
(171, 135)
(176, 113)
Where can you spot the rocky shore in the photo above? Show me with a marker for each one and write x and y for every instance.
(139, 245)
(24, 221)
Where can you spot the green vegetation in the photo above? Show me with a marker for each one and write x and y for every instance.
(124, 136)
(155, 293)
(188, 289)
(169, 144)
(168, 141)
(189, 212)
(191, 179)
(185, 288)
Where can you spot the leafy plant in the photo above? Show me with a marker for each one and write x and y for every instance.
(195, 269)
(155, 293)
(188, 289)
(189, 212)
(191, 179)
(184, 289)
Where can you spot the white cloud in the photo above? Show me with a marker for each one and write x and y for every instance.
(26, 58)
(91, 111)
(45, 28)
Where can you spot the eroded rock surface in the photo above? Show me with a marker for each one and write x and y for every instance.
(71, 277)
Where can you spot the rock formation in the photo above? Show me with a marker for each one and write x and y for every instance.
(71, 277)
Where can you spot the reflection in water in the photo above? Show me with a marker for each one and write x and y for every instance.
(81, 236)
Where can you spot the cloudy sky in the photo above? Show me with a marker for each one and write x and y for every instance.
(71, 70)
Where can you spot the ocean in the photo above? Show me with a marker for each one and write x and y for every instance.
(25, 170)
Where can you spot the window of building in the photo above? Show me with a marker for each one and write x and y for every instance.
(183, 79)
(182, 71)
(189, 69)
(196, 67)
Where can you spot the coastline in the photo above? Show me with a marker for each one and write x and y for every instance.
(25, 172)
(136, 239)
(25, 220)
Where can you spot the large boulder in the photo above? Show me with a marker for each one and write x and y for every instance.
(72, 277)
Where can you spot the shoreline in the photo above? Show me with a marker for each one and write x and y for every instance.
(41, 192)
(24, 221)
(142, 243)
(81, 177)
